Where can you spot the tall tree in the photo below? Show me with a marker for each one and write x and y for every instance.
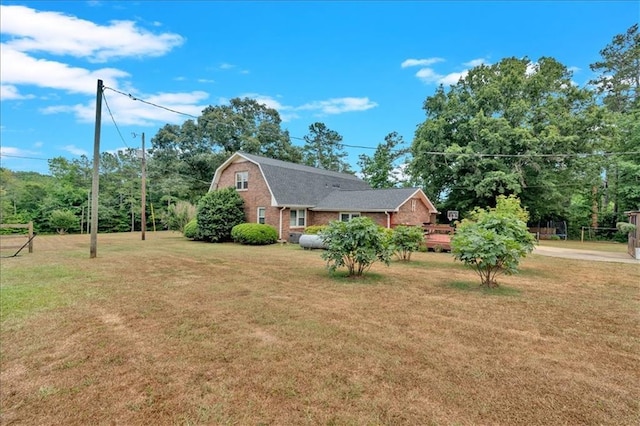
(514, 127)
(618, 82)
(249, 126)
(619, 71)
(382, 169)
(323, 149)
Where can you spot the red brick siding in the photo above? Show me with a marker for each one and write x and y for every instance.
(407, 216)
(256, 195)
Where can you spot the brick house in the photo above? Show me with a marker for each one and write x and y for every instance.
(291, 196)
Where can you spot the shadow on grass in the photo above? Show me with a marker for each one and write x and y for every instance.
(342, 277)
(474, 287)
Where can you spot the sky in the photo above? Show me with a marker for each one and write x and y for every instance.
(363, 68)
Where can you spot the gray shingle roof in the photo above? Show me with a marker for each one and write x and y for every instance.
(298, 185)
(366, 200)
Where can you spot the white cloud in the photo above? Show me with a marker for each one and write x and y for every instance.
(19, 68)
(340, 105)
(74, 150)
(10, 92)
(476, 62)
(205, 80)
(420, 62)
(452, 78)
(428, 75)
(127, 111)
(226, 66)
(11, 150)
(59, 34)
(574, 69)
(532, 68)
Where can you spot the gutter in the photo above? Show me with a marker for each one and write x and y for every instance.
(280, 224)
(388, 219)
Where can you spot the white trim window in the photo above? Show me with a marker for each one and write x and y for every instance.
(347, 216)
(297, 218)
(242, 181)
(261, 215)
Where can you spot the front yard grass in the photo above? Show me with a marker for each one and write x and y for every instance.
(168, 331)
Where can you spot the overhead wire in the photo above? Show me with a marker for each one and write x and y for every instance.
(114, 120)
(605, 154)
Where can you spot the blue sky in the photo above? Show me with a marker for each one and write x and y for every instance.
(362, 68)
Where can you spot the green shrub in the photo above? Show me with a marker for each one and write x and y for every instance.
(178, 215)
(405, 240)
(63, 220)
(314, 229)
(191, 229)
(218, 212)
(255, 234)
(356, 244)
(493, 241)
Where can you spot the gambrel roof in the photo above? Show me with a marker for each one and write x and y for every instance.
(297, 185)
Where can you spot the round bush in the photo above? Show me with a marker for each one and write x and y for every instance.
(255, 234)
(191, 229)
(314, 229)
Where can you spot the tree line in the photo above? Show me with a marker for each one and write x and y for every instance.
(518, 127)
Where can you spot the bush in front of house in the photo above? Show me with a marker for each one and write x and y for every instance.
(356, 244)
(405, 240)
(255, 234)
(314, 229)
(218, 212)
(190, 230)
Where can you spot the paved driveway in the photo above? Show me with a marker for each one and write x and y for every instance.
(599, 256)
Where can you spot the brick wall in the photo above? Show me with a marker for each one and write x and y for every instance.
(256, 195)
(413, 212)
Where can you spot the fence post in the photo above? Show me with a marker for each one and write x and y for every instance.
(30, 237)
(582, 234)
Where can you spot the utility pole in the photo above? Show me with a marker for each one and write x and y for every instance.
(143, 219)
(93, 251)
(143, 211)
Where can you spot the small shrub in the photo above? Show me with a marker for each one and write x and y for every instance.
(178, 215)
(191, 229)
(493, 241)
(255, 234)
(356, 244)
(405, 240)
(314, 229)
(63, 220)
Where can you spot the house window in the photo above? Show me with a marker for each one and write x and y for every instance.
(242, 180)
(261, 213)
(346, 217)
(414, 202)
(298, 218)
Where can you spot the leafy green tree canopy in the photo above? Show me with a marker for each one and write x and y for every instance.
(507, 129)
(619, 71)
(382, 169)
(323, 149)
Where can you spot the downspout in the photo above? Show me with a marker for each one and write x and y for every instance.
(388, 219)
(281, 210)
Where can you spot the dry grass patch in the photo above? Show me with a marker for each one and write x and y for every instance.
(168, 331)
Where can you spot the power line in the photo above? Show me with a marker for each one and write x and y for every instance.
(26, 158)
(130, 96)
(481, 155)
(114, 120)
